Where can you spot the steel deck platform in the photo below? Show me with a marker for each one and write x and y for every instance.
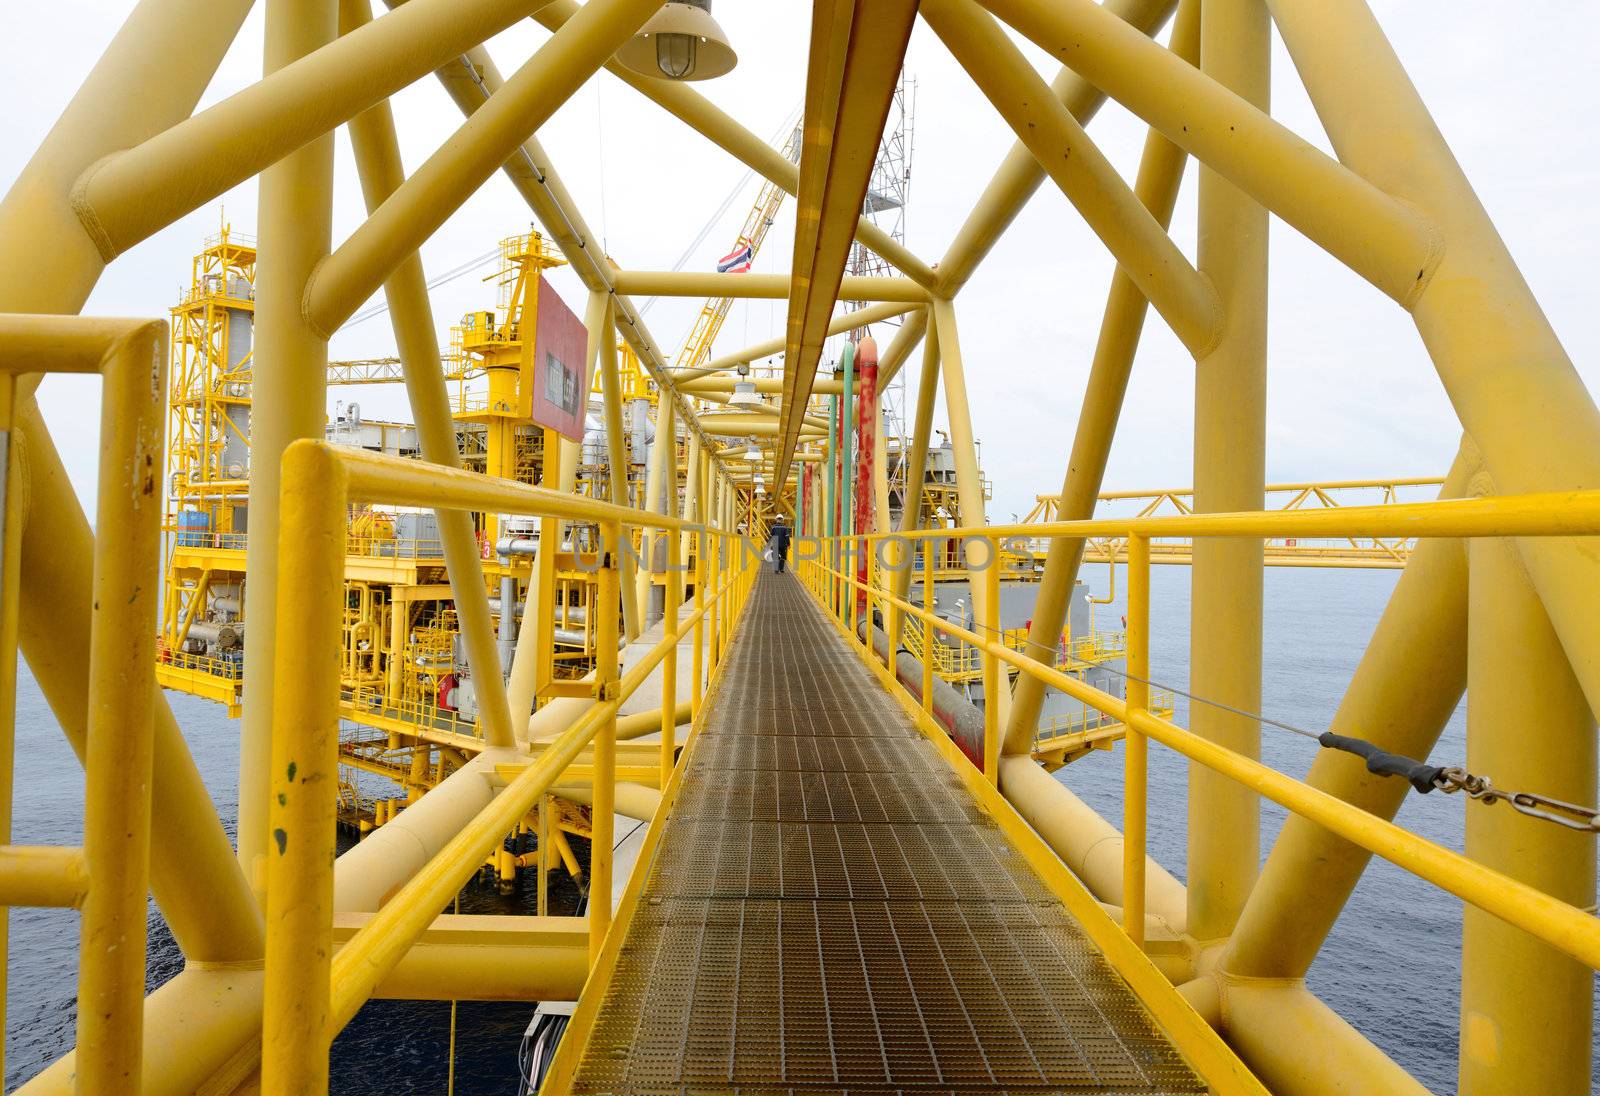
(829, 911)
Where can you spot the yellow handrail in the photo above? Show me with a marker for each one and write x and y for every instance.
(309, 994)
(1572, 931)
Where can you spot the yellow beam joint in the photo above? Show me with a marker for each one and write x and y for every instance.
(1019, 174)
(452, 174)
(1381, 238)
(1142, 248)
(131, 195)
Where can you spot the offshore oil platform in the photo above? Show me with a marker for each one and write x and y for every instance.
(752, 600)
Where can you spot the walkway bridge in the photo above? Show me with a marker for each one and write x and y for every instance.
(830, 908)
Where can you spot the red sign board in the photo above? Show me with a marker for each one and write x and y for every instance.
(558, 376)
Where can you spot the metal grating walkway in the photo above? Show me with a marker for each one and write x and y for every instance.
(828, 911)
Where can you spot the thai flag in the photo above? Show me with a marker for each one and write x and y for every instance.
(738, 260)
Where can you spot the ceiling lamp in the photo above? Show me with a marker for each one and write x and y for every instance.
(680, 42)
(752, 452)
(744, 390)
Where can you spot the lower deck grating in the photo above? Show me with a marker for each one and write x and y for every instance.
(828, 911)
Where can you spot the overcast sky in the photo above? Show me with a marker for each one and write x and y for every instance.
(1351, 392)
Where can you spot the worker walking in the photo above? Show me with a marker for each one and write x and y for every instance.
(781, 534)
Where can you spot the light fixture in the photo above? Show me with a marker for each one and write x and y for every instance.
(744, 390)
(753, 451)
(681, 42)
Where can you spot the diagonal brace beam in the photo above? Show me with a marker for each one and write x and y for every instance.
(1141, 245)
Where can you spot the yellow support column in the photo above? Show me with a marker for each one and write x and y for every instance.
(927, 624)
(296, 1031)
(122, 696)
(12, 515)
(289, 397)
(989, 628)
(669, 662)
(1136, 747)
(1404, 690)
(602, 812)
(1230, 474)
(969, 477)
(1527, 1011)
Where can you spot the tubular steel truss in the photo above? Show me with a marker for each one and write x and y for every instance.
(1498, 595)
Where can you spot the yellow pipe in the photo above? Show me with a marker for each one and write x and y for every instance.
(42, 875)
(1509, 378)
(287, 400)
(1160, 175)
(1381, 238)
(295, 1030)
(1141, 246)
(377, 155)
(1019, 174)
(485, 957)
(1298, 1046)
(776, 287)
(133, 194)
(476, 151)
(1527, 1011)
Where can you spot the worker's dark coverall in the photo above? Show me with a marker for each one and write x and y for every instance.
(780, 544)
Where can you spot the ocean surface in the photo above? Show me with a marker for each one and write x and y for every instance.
(1389, 966)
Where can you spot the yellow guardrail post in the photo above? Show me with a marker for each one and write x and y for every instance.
(697, 658)
(990, 630)
(927, 626)
(296, 1031)
(848, 586)
(1136, 747)
(603, 818)
(669, 664)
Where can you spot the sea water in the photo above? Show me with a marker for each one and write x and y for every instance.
(1390, 966)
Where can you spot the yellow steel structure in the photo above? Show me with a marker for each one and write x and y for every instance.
(1369, 552)
(284, 943)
